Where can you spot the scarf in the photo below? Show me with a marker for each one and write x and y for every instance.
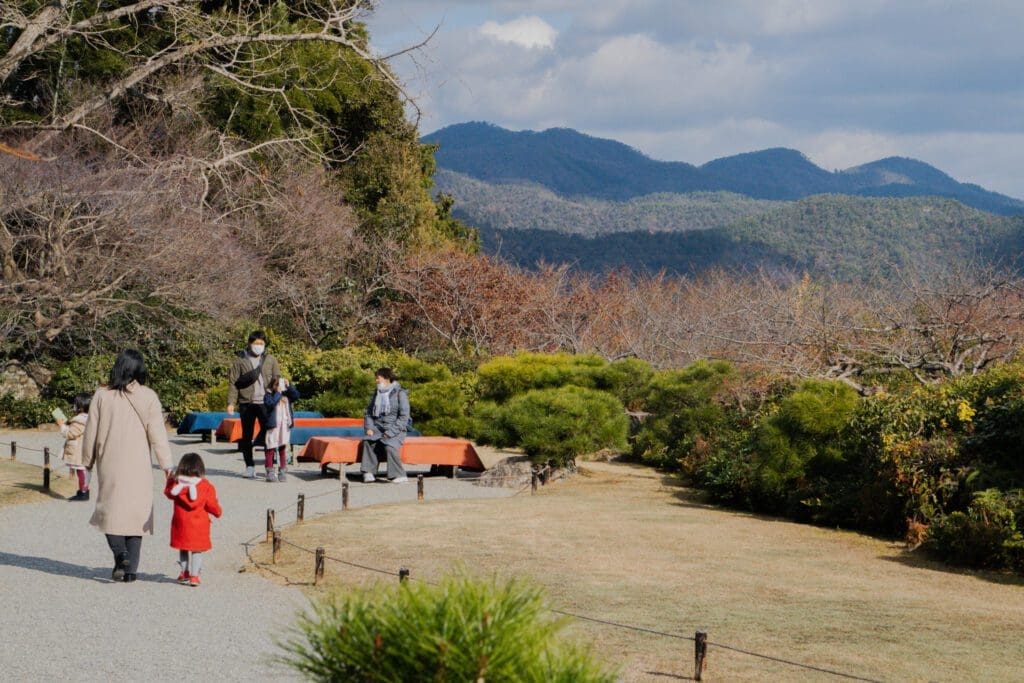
(189, 482)
(382, 402)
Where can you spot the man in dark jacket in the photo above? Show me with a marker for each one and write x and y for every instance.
(386, 422)
(248, 379)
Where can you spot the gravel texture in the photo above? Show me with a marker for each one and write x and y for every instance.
(63, 618)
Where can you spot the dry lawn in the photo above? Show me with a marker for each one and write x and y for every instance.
(623, 543)
(23, 483)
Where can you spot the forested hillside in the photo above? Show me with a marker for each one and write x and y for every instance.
(573, 164)
(522, 206)
(829, 235)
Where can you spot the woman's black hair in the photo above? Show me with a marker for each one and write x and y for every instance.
(128, 367)
(258, 334)
(386, 373)
(82, 402)
(191, 465)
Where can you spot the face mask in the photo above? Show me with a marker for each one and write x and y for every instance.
(257, 349)
(381, 386)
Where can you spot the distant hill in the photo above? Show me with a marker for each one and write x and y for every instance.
(575, 165)
(841, 236)
(529, 206)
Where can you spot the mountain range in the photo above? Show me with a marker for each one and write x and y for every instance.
(572, 164)
(561, 196)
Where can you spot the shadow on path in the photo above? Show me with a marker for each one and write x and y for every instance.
(49, 565)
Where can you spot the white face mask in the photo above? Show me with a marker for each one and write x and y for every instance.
(257, 349)
(381, 386)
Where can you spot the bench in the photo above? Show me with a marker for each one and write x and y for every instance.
(230, 428)
(437, 451)
(207, 423)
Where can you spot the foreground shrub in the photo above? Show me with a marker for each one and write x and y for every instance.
(986, 535)
(800, 441)
(462, 630)
(555, 424)
(685, 415)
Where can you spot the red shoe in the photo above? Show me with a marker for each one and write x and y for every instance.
(194, 580)
(183, 578)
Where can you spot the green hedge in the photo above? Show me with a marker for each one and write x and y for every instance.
(557, 424)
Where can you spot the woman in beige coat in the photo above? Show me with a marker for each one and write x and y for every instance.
(125, 426)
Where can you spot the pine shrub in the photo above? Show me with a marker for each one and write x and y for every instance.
(461, 630)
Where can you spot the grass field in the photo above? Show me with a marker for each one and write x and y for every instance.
(23, 483)
(625, 544)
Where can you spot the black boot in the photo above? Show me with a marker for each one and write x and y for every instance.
(80, 495)
(128, 578)
(120, 567)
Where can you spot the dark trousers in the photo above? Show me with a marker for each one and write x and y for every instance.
(130, 545)
(251, 413)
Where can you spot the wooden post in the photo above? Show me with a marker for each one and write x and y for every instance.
(14, 450)
(276, 548)
(419, 487)
(403, 575)
(270, 524)
(700, 651)
(46, 468)
(213, 436)
(534, 476)
(318, 566)
(344, 496)
(300, 508)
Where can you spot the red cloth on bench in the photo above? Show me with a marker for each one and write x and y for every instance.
(417, 450)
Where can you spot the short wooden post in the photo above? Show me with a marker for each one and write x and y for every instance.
(270, 524)
(318, 566)
(419, 487)
(403, 575)
(300, 508)
(46, 468)
(14, 450)
(344, 496)
(534, 476)
(276, 548)
(700, 651)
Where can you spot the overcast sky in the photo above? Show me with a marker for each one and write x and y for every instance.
(844, 81)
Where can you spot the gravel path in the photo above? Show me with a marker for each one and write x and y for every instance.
(61, 617)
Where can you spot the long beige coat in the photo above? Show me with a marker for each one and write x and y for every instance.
(118, 442)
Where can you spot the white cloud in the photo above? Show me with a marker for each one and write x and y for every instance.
(528, 32)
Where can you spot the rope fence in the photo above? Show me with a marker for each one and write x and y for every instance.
(699, 639)
(46, 458)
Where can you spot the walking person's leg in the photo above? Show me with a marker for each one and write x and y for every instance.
(395, 470)
(183, 563)
(195, 567)
(118, 545)
(368, 461)
(134, 545)
(247, 412)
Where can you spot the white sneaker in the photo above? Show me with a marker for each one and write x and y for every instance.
(368, 477)
(281, 475)
(250, 473)
(271, 475)
(399, 480)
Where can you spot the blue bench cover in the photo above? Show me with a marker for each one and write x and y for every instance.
(197, 423)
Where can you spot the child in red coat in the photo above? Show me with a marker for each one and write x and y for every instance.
(195, 499)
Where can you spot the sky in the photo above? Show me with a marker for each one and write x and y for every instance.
(843, 81)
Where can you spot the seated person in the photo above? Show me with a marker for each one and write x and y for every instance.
(386, 423)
